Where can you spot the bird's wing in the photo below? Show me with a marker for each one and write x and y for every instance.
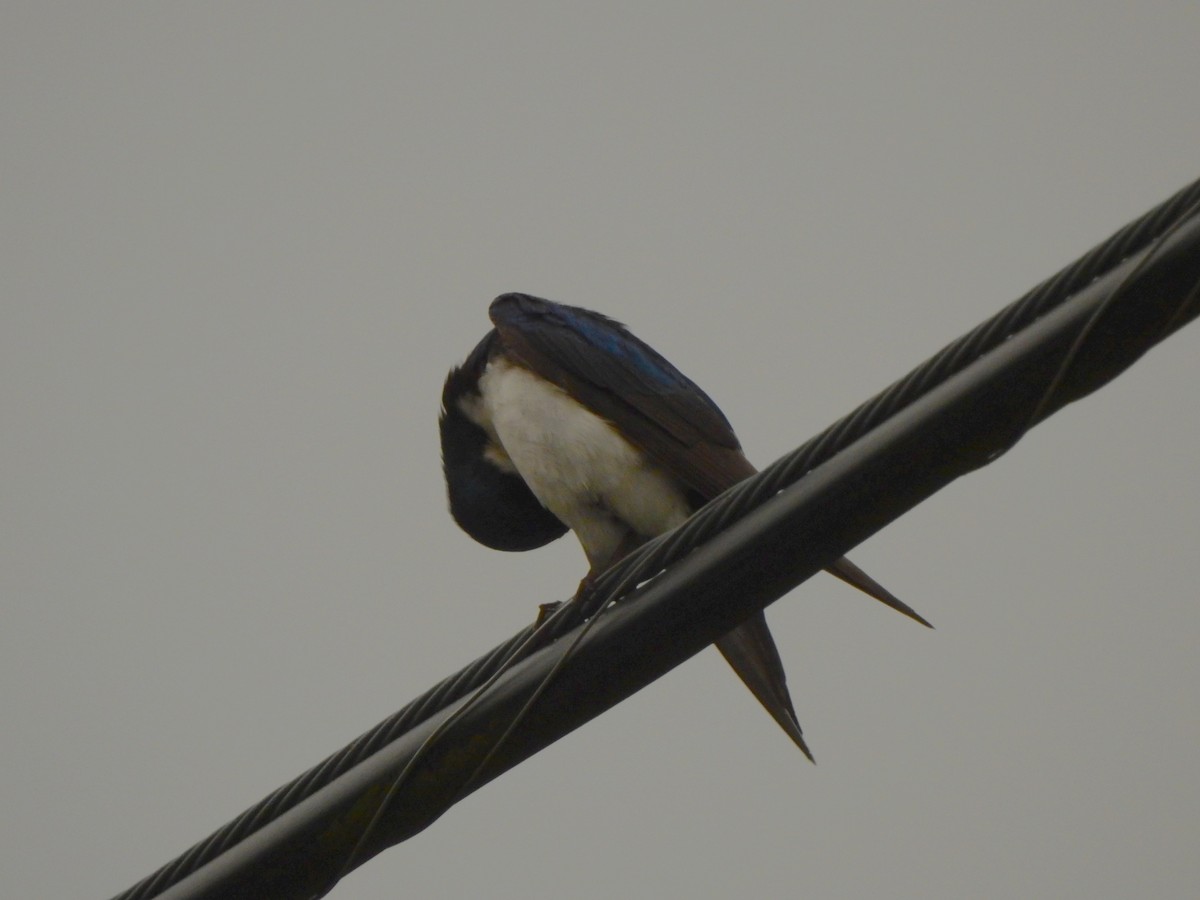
(623, 380)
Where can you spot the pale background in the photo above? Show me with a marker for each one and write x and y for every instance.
(242, 244)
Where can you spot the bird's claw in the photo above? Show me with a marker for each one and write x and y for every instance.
(545, 611)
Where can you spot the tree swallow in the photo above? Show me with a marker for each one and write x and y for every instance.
(562, 419)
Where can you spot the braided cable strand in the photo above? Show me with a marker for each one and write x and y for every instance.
(656, 555)
(284, 798)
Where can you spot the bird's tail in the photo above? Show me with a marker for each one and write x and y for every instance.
(751, 651)
(856, 577)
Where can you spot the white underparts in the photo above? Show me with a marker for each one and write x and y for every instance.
(574, 462)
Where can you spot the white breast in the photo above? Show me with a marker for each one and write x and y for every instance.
(575, 463)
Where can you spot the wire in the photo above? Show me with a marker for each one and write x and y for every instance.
(649, 560)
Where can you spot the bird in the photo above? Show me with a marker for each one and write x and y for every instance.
(562, 419)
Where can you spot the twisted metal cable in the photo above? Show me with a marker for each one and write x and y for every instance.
(289, 795)
(654, 556)
(657, 554)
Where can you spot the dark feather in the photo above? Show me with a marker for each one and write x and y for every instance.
(751, 651)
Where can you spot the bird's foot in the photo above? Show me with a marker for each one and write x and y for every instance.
(586, 583)
(545, 611)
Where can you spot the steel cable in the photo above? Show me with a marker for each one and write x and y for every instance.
(656, 555)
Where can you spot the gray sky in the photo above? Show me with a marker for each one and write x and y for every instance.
(242, 246)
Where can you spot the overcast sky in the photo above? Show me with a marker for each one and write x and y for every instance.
(242, 245)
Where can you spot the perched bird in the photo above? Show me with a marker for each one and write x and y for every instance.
(562, 419)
